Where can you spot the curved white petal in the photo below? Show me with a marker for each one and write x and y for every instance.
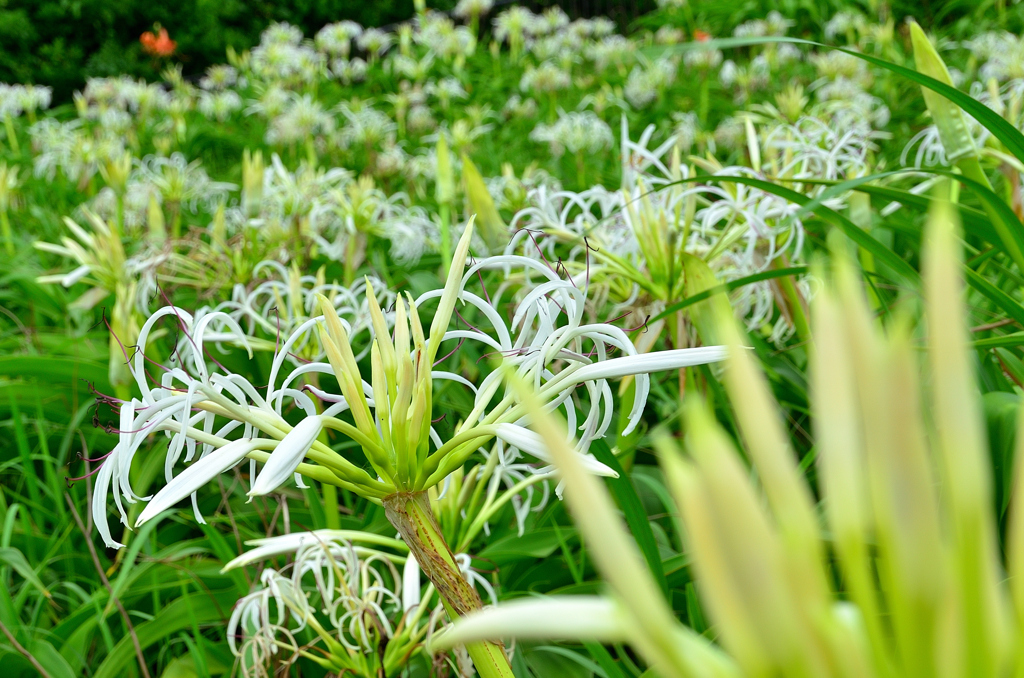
(197, 475)
(531, 443)
(646, 363)
(287, 456)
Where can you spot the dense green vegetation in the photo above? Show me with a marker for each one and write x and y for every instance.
(286, 307)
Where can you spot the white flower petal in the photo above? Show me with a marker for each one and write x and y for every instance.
(197, 475)
(646, 363)
(75, 275)
(531, 443)
(287, 456)
(410, 584)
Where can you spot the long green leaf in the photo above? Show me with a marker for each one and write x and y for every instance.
(1001, 299)
(636, 518)
(177, 616)
(56, 369)
(864, 240)
(1005, 340)
(11, 556)
(729, 287)
(605, 660)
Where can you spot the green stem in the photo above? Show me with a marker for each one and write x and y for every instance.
(410, 514)
(175, 209)
(797, 309)
(330, 493)
(446, 236)
(5, 228)
(12, 137)
(349, 270)
(705, 99)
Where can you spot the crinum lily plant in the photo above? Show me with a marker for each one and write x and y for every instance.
(216, 419)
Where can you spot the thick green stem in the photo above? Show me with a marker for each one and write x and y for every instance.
(330, 495)
(410, 514)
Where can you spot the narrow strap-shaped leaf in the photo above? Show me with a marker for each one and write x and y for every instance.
(16, 560)
(182, 613)
(1005, 222)
(604, 660)
(851, 230)
(636, 518)
(728, 287)
(1004, 301)
(1000, 128)
(975, 222)
(1006, 233)
(863, 239)
(1006, 340)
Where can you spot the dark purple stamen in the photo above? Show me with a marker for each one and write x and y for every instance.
(642, 325)
(539, 250)
(457, 347)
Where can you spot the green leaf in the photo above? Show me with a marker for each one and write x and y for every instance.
(636, 518)
(539, 543)
(1004, 301)
(1005, 222)
(1001, 411)
(864, 240)
(728, 287)
(50, 659)
(56, 369)
(11, 556)
(948, 117)
(177, 616)
(851, 230)
(605, 661)
(1006, 340)
(489, 223)
(547, 661)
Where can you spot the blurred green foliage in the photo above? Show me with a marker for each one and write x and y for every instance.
(60, 43)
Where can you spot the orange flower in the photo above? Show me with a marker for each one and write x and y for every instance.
(701, 36)
(160, 44)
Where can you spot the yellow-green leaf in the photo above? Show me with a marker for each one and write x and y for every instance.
(489, 222)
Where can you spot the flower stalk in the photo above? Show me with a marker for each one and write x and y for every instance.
(410, 514)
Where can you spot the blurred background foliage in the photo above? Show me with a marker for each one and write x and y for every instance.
(60, 43)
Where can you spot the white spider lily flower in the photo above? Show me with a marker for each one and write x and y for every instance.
(575, 132)
(198, 475)
(345, 597)
(287, 456)
(580, 618)
(548, 343)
